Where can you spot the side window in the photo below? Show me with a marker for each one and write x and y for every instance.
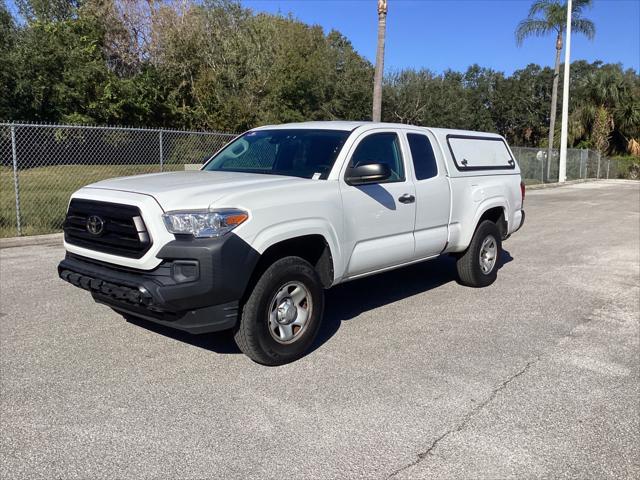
(381, 148)
(424, 160)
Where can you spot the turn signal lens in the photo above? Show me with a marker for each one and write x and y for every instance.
(237, 219)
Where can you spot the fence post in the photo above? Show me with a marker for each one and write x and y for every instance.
(583, 164)
(608, 165)
(598, 174)
(161, 153)
(16, 184)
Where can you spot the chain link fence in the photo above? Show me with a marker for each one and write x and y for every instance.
(582, 164)
(41, 165)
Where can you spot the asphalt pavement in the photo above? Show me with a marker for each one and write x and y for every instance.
(414, 375)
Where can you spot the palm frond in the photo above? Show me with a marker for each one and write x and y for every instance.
(628, 118)
(540, 6)
(579, 5)
(530, 27)
(583, 26)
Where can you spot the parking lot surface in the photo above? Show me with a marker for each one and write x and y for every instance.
(414, 376)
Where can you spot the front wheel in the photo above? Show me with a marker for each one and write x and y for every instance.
(478, 266)
(282, 315)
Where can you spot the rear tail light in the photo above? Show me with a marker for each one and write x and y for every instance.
(522, 191)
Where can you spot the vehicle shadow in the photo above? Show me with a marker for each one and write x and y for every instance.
(219, 342)
(342, 302)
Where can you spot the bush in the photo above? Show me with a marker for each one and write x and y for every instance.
(625, 167)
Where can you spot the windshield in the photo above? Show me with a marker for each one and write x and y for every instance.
(296, 153)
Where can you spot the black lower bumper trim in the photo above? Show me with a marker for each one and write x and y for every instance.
(128, 299)
(196, 288)
(202, 320)
(139, 296)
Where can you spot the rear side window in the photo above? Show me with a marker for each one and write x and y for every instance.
(380, 148)
(424, 160)
(480, 153)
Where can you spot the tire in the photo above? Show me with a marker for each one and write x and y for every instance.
(474, 272)
(277, 303)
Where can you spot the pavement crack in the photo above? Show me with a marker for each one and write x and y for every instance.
(474, 411)
(467, 417)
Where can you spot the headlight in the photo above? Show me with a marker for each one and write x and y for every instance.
(204, 223)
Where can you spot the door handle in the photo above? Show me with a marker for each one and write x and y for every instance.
(407, 198)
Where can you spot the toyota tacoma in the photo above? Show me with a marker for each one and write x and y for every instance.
(251, 240)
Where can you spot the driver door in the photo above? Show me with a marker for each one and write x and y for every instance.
(379, 217)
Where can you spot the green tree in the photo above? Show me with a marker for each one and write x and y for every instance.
(606, 113)
(8, 38)
(423, 98)
(348, 95)
(59, 71)
(520, 105)
(550, 17)
(480, 86)
(48, 10)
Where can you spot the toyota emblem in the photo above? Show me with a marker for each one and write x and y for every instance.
(95, 225)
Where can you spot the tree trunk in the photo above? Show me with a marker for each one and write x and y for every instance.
(554, 103)
(377, 78)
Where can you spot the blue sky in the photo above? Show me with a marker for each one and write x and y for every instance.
(442, 34)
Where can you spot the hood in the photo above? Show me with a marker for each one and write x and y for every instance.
(193, 189)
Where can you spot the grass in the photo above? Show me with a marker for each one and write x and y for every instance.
(45, 192)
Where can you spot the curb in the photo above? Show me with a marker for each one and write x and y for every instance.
(540, 186)
(50, 239)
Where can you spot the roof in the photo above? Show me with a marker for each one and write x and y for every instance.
(352, 125)
(328, 125)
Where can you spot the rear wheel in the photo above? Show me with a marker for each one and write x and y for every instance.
(477, 267)
(282, 315)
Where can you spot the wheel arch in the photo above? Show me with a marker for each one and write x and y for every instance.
(494, 210)
(312, 247)
(497, 215)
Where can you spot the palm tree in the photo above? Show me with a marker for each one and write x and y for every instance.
(377, 77)
(550, 16)
(608, 111)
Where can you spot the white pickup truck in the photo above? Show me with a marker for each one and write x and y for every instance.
(283, 212)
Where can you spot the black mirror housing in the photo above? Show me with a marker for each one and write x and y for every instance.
(369, 173)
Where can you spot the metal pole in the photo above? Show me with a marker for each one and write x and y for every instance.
(598, 174)
(16, 184)
(161, 154)
(562, 170)
(608, 165)
(542, 168)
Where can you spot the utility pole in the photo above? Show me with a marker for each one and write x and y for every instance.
(377, 78)
(562, 169)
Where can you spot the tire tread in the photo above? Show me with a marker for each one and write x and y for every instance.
(469, 272)
(245, 334)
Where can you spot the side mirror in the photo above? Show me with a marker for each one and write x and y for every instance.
(369, 173)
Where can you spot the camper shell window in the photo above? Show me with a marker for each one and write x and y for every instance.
(480, 153)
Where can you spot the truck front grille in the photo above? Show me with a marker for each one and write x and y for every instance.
(106, 227)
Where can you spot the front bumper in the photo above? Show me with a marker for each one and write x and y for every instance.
(197, 287)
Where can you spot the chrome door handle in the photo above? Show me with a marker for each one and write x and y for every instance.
(407, 198)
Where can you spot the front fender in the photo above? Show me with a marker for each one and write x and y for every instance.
(289, 229)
